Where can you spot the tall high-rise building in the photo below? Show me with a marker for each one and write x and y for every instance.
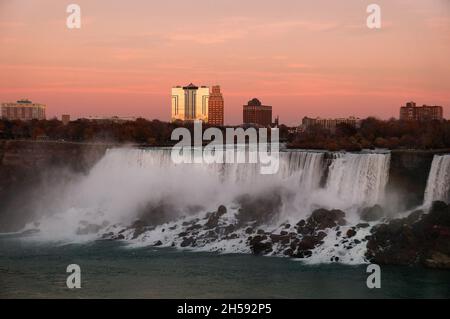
(215, 107)
(256, 113)
(23, 110)
(411, 112)
(190, 103)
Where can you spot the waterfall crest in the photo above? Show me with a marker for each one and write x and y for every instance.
(438, 184)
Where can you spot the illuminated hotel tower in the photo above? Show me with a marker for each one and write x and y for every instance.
(190, 103)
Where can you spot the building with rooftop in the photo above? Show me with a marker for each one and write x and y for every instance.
(216, 107)
(256, 113)
(190, 103)
(24, 110)
(412, 112)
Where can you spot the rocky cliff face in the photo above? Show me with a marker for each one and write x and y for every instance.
(408, 174)
(421, 238)
(23, 166)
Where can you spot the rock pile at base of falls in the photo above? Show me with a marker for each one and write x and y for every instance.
(419, 239)
(308, 234)
(422, 238)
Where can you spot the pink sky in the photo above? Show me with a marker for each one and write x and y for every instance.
(306, 58)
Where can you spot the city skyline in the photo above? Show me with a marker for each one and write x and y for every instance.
(304, 59)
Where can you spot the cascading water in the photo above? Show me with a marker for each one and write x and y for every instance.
(358, 179)
(438, 184)
(131, 184)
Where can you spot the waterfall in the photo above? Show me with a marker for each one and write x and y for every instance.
(358, 179)
(126, 181)
(438, 184)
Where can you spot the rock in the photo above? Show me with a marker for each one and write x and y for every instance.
(439, 214)
(229, 229)
(321, 219)
(213, 219)
(283, 239)
(321, 235)
(294, 243)
(249, 230)
(311, 229)
(438, 260)
(308, 243)
(370, 214)
(301, 223)
(140, 227)
(211, 235)
(194, 227)
(222, 210)
(362, 225)
(414, 216)
(158, 243)
(187, 241)
(351, 232)
(260, 246)
(419, 239)
(232, 236)
(302, 254)
(108, 235)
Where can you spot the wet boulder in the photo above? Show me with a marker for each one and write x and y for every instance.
(140, 227)
(351, 232)
(260, 245)
(213, 219)
(188, 241)
(321, 219)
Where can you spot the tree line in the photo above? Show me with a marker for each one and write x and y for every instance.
(372, 133)
(375, 133)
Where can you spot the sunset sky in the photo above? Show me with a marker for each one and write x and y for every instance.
(305, 58)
